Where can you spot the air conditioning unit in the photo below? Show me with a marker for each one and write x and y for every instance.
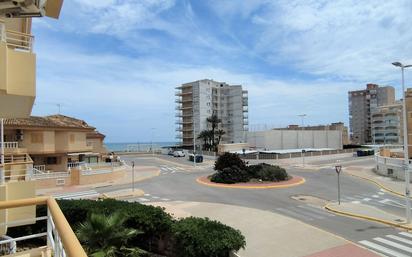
(30, 8)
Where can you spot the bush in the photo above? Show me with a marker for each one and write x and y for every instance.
(230, 175)
(267, 172)
(228, 160)
(198, 237)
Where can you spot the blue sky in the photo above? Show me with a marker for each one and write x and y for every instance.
(116, 63)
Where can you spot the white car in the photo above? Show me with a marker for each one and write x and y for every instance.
(178, 154)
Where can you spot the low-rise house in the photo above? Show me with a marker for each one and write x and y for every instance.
(56, 142)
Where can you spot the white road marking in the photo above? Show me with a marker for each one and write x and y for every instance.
(406, 234)
(146, 194)
(400, 239)
(143, 199)
(375, 196)
(155, 197)
(366, 199)
(165, 199)
(293, 214)
(78, 195)
(393, 244)
(382, 249)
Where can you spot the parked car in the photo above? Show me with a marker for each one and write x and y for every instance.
(179, 154)
(171, 152)
(199, 158)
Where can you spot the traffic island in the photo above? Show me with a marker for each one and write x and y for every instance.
(293, 181)
(367, 212)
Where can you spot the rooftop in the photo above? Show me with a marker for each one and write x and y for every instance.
(52, 121)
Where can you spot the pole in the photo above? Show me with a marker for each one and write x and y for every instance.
(338, 189)
(194, 141)
(405, 151)
(133, 175)
(2, 173)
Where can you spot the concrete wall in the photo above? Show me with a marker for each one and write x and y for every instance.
(390, 167)
(295, 139)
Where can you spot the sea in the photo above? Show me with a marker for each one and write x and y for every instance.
(139, 147)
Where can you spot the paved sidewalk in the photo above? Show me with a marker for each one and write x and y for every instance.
(363, 211)
(268, 233)
(367, 173)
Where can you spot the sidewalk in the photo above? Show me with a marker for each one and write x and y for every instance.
(270, 234)
(363, 211)
(394, 186)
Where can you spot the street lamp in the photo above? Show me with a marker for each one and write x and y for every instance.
(302, 116)
(405, 143)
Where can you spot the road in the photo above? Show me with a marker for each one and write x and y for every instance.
(178, 183)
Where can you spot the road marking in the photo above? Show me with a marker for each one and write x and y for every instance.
(146, 194)
(143, 199)
(375, 196)
(78, 195)
(293, 214)
(406, 234)
(165, 199)
(400, 239)
(356, 202)
(391, 203)
(393, 244)
(382, 249)
(381, 193)
(366, 199)
(316, 210)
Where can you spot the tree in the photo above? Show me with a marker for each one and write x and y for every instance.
(219, 134)
(205, 136)
(106, 236)
(214, 122)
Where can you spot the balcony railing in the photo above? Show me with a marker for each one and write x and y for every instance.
(15, 39)
(60, 236)
(10, 145)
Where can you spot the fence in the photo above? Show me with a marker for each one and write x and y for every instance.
(15, 39)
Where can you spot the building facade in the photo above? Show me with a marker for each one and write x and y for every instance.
(361, 104)
(198, 100)
(387, 124)
(56, 142)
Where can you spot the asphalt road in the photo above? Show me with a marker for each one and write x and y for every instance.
(182, 186)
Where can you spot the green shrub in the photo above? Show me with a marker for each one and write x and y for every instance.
(198, 237)
(267, 172)
(228, 160)
(230, 175)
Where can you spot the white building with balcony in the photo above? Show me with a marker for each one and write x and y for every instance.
(386, 124)
(198, 100)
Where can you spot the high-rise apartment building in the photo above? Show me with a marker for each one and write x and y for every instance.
(198, 100)
(387, 125)
(361, 104)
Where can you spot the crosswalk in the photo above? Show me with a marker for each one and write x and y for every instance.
(165, 169)
(379, 199)
(305, 212)
(150, 198)
(399, 245)
(78, 195)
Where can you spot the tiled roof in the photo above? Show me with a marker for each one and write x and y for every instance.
(95, 134)
(52, 121)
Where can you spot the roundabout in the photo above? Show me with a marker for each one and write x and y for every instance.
(294, 181)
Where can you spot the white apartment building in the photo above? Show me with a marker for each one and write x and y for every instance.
(198, 100)
(387, 124)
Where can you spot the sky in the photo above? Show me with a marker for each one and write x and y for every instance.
(116, 63)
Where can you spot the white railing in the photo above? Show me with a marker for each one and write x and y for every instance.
(11, 145)
(74, 164)
(10, 159)
(16, 40)
(54, 174)
(89, 172)
(60, 237)
(395, 162)
(41, 168)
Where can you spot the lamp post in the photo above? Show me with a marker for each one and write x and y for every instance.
(338, 169)
(302, 116)
(405, 143)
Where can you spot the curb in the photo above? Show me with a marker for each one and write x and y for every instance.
(386, 222)
(211, 184)
(378, 184)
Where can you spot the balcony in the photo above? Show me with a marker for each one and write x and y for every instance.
(17, 73)
(61, 240)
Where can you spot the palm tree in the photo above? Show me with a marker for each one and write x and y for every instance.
(106, 236)
(214, 122)
(204, 135)
(219, 134)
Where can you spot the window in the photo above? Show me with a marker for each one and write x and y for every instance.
(51, 160)
(72, 138)
(390, 171)
(37, 138)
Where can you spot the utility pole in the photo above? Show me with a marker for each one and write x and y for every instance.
(405, 143)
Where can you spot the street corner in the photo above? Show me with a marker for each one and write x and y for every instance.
(294, 181)
(345, 250)
(367, 212)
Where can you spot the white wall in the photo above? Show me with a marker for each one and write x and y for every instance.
(295, 139)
